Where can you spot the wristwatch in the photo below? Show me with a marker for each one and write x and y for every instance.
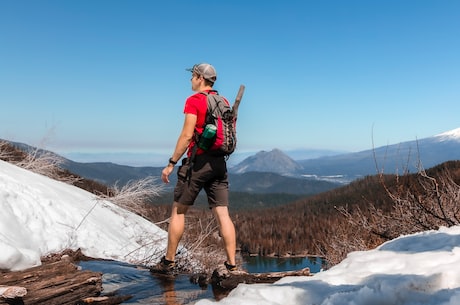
(172, 162)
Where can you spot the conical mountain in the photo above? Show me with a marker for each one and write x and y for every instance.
(274, 161)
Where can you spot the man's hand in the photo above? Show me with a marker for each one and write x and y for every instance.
(166, 172)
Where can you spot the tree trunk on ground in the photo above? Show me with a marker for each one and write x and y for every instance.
(55, 283)
(225, 280)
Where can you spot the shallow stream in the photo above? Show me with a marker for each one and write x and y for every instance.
(125, 279)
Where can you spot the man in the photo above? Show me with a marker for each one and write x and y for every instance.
(208, 172)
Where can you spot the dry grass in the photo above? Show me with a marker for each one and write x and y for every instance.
(134, 195)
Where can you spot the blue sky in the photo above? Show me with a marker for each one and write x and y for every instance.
(109, 76)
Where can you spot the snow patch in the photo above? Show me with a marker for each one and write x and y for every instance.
(449, 135)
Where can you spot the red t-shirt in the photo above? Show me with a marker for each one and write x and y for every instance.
(197, 104)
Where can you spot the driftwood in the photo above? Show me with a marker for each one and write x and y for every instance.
(224, 280)
(53, 283)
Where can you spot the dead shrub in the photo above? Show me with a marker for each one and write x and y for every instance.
(420, 202)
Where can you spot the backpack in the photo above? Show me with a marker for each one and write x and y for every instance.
(222, 116)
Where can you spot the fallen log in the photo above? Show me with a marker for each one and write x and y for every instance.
(225, 280)
(55, 283)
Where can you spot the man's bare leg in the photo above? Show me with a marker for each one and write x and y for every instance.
(227, 230)
(175, 229)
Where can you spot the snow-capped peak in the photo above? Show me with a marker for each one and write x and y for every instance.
(453, 134)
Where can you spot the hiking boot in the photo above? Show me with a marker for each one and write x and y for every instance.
(233, 270)
(164, 267)
(230, 267)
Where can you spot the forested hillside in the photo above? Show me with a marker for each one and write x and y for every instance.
(358, 216)
(304, 226)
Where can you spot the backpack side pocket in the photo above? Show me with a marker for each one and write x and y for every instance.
(182, 172)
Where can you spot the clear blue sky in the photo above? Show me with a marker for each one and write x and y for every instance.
(109, 76)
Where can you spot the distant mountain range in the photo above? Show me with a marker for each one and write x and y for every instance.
(398, 158)
(275, 172)
(249, 182)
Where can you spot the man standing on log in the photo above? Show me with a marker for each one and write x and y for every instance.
(198, 170)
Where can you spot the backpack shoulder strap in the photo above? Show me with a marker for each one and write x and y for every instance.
(197, 136)
(209, 92)
(213, 103)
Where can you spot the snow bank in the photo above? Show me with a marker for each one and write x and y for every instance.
(40, 216)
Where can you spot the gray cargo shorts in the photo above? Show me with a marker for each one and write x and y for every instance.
(208, 172)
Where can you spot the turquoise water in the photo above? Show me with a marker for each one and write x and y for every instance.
(126, 279)
(258, 264)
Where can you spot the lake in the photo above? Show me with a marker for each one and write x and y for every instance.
(128, 279)
(259, 264)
